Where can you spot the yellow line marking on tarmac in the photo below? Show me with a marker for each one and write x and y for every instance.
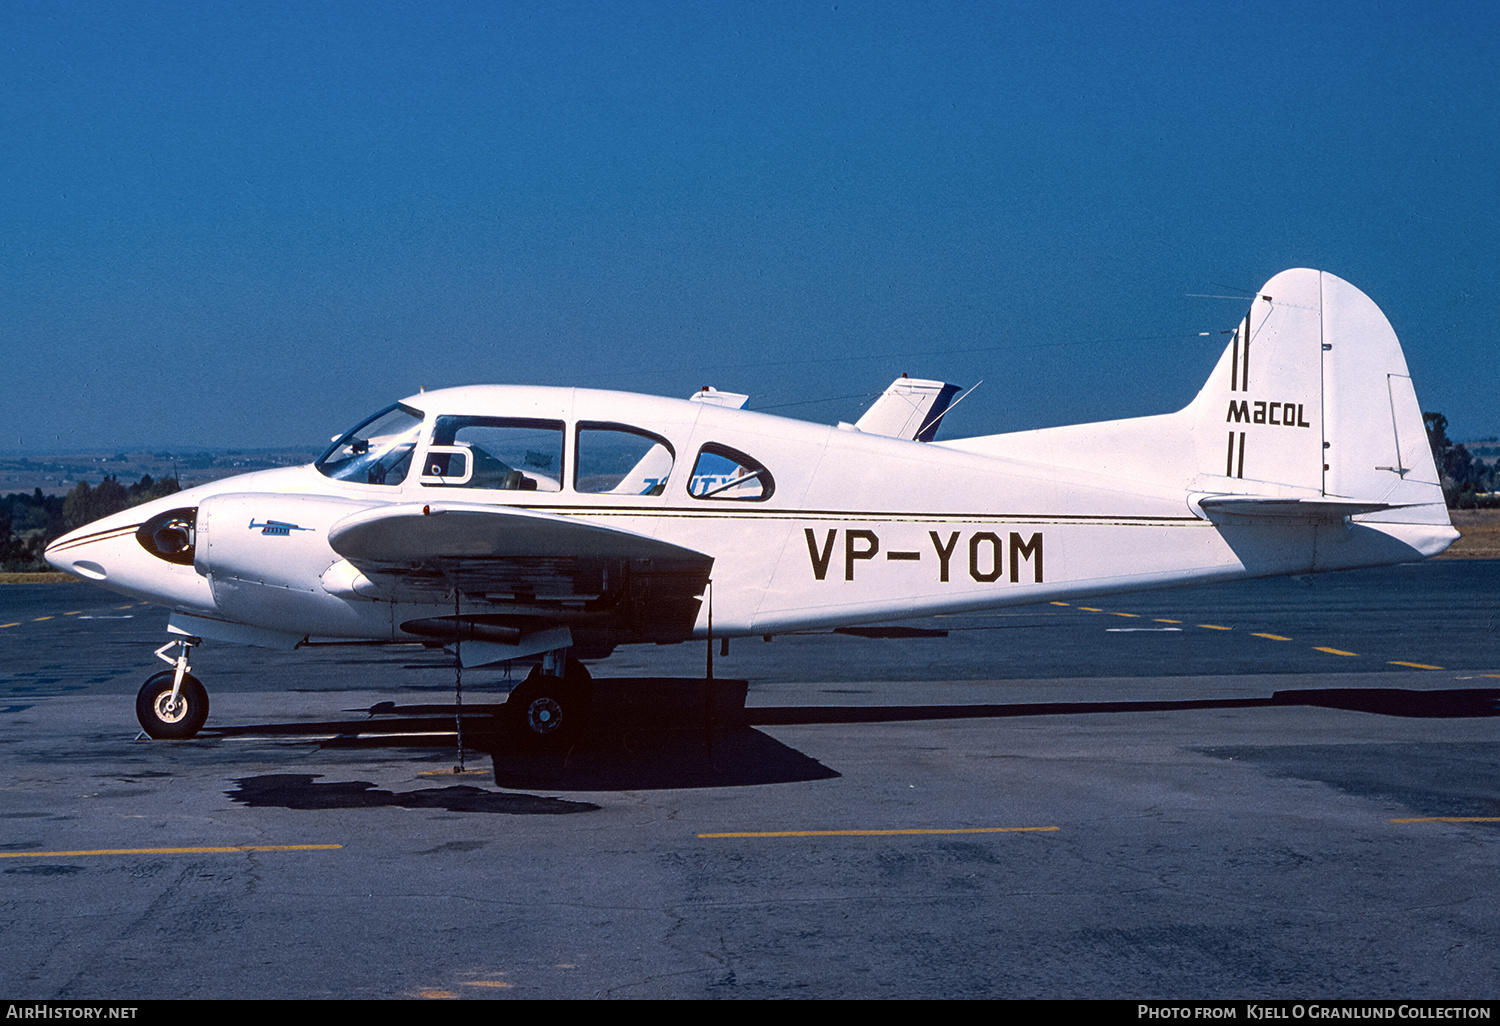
(167, 851)
(449, 772)
(73, 613)
(38, 619)
(16, 624)
(1215, 627)
(881, 833)
(485, 983)
(1163, 620)
(1450, 819)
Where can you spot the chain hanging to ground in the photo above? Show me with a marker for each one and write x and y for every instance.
(458, 683)
(708, 676)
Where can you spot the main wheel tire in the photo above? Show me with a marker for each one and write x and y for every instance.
(548, 711)
(165, 720)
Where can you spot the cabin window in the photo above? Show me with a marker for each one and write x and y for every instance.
(509, 453)
(377, 450)
(619, 460)
(724, 473)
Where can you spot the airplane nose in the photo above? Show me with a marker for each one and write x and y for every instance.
(54, 553)
(120, 541)
(135, 553)
(87, 550)
(69, 554)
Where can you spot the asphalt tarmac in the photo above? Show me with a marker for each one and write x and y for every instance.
(1282, 789)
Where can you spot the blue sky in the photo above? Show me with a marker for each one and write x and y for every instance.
(250, 224)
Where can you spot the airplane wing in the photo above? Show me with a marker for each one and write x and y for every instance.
(519, 571)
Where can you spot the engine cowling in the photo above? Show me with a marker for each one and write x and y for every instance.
(265, 555)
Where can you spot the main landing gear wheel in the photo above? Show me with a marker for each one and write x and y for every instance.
(164, 719)
(549, 711)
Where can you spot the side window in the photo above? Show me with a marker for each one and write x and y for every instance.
(511, 453)
(619, 460)
(724, 473)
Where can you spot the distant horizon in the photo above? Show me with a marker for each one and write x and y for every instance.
(946, 433)
(151, 450)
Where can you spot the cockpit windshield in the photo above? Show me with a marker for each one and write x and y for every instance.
(376, 451)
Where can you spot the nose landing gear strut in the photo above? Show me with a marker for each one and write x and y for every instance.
(173, 705)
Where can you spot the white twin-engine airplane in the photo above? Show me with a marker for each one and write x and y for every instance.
(517, 522)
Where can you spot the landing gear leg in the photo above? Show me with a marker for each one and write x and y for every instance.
(551, 706)
(173, 705)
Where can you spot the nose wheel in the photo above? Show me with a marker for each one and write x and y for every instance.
(166, 716)
(172, 705)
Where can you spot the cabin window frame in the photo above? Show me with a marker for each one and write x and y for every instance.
(719, 492)
(527, 477)
(628, 429)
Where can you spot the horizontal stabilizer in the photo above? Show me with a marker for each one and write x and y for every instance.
(1251, 507)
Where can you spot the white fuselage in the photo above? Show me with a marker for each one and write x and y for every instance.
(857, 527)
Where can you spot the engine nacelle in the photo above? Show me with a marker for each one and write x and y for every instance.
(265, 554)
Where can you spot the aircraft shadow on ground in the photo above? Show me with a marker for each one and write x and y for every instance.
(657, 740)
(613, 759)
(302, 791)
(1453, 703)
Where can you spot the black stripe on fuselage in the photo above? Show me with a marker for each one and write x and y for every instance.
(679, 513)
(114, 532)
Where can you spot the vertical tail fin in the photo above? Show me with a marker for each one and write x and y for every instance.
(1308, 419)
(910, 408)
(1312, 398)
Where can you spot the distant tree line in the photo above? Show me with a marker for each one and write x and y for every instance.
(1468, 483)
(29, 523)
